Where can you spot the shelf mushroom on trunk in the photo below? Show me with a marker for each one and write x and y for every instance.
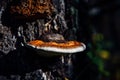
(52, 27)
(59, 47)
(29, 27)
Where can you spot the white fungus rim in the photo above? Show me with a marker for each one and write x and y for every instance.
(80, 48)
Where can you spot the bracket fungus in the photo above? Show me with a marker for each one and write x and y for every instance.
(46, 34)
(56, 48)
(32, 8)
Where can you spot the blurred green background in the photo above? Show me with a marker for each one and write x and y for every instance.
(97, 23)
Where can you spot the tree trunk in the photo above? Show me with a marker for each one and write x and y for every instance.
(17, 62)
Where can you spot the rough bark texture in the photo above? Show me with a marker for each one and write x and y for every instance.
(18, 62)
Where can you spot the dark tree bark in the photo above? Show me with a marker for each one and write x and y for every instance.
(17, 62)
